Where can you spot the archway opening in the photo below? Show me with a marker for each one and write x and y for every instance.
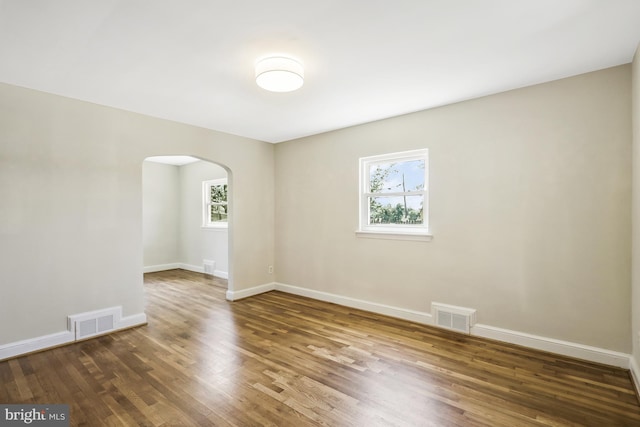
(187, 218)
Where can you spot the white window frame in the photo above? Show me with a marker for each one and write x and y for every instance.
(393, 231)
(206, 204)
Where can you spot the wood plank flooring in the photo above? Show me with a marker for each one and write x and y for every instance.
(282, 360)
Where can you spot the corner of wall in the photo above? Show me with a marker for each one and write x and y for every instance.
(635, 217)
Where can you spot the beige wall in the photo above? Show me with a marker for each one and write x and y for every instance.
(635, 301)
(530, 211)
(530, 202)
(71, 211)
(160, 213)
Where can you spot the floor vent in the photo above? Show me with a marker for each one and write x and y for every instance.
(209, 267)
(459, 319)
(94, 323)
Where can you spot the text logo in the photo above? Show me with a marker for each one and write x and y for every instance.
(34, 415)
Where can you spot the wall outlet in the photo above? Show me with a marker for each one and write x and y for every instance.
(271, 269)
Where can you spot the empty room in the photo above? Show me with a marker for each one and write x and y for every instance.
(356, 213)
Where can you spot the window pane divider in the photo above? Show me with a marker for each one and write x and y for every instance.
(408, 193)
(394, 227)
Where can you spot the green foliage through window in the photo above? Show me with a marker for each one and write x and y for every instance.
(218, 200)
(215, 203)
(396, 192)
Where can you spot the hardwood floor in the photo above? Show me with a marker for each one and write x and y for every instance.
(282, 360)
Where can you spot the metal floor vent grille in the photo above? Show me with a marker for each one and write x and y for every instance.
(100, 325)
(86, 325)
(459, 319)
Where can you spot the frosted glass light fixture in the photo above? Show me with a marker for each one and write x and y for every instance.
(279, 74)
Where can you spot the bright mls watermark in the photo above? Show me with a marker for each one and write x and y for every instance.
(34, 415)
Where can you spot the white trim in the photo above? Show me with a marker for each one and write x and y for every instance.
(566, 348)
(216, 226)
(119, 322)
(172, 160)
(245, 293)
(131, 321)
(206, 203)
(194, 268)
(400, 313)
(221, 274)
(160, 267)
(18, 348)
(188, 267)
(634, 369)
(31, 345)
(388, 231)
(395, 235)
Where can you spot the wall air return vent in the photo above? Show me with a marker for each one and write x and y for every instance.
(93, 323)
(459, 319)
(209, 267)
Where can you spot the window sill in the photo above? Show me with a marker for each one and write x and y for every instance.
(215, 227)
(395, 235)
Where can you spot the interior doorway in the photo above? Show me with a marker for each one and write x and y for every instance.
(185, 215)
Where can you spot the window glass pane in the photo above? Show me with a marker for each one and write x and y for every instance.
(396, 177)
(396, 210)
(219, 193)
(218, 213)
(214, 203)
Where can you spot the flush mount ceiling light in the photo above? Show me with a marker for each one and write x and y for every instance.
(279, 74)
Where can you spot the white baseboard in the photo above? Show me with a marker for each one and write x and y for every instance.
(189, 267)
(400, 313)
(635, 373)
(8, 351)
(160, 267)
(200, 269)
(221, 274)
(566, 348)
(245, 293)
(18, 348)
(131, 321)
(579, 351)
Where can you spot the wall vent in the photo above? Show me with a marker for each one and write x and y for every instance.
(209, 267)
(459, 319)
(93, 323)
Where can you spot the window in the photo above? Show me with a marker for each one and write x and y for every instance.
(394, 196)
(215, 207)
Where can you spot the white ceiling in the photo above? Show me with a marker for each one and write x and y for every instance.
(192, 60)
(172, 160)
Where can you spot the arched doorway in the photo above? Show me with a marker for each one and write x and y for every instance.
(183, 227)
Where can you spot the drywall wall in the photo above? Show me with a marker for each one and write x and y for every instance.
(530, 211)
(198, 243)
(160, 213)
(71, 213)
(635, 301)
